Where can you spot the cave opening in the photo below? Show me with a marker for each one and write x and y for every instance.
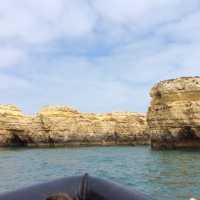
(187, 133)
(17, 141)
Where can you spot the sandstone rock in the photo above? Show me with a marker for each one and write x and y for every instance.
(174, 114)
(62, 126)
(69, 126)
(11, 122)
(17, 129)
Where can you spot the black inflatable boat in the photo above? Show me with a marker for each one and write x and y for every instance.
(84, 187)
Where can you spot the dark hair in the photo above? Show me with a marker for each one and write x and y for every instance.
(59, 196)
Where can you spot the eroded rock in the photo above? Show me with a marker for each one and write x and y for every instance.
(64, 126)
(174, 114)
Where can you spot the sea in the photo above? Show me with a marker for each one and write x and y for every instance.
(164, 175)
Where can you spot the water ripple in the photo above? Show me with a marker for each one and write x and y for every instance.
(162, 174)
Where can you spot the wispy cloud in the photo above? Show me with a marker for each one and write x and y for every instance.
(35, 21)
(99, 55)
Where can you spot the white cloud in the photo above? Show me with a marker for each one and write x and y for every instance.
(35, 21)
(98, 55)
(185, 30)
(143, 13)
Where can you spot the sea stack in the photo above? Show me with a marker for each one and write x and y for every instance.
(174, 114)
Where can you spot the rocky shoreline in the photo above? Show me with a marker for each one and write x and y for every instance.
(64, 126)
(172, 121)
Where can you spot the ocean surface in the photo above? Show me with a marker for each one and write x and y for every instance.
(162, 174)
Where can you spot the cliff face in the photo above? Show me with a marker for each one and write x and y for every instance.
(174, 114)
(12, 123)
(70, 126)
(60, 126)
(17, 129)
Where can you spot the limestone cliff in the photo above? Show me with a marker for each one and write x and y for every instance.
(60, 126)
(70, 126)
(12, 124)
(174, 114)
(17, 129)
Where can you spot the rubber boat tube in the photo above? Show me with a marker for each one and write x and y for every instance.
(84, 187)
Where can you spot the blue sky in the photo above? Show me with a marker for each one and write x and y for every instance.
(94, 55)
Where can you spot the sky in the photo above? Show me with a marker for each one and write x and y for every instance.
(94, 55)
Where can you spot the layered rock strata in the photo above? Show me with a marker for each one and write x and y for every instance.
(64, 126)
(13, 125)
(17, 129)
(174, 114)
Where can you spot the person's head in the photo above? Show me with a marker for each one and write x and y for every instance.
(59, 197)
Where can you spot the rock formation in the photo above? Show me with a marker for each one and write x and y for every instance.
(174, 114)
(12, 124)
(64, 126)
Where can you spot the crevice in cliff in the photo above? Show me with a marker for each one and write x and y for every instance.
(158, 94)
(115, 138)
(51, 141)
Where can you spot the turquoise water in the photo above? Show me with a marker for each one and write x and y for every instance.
(162, 174)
